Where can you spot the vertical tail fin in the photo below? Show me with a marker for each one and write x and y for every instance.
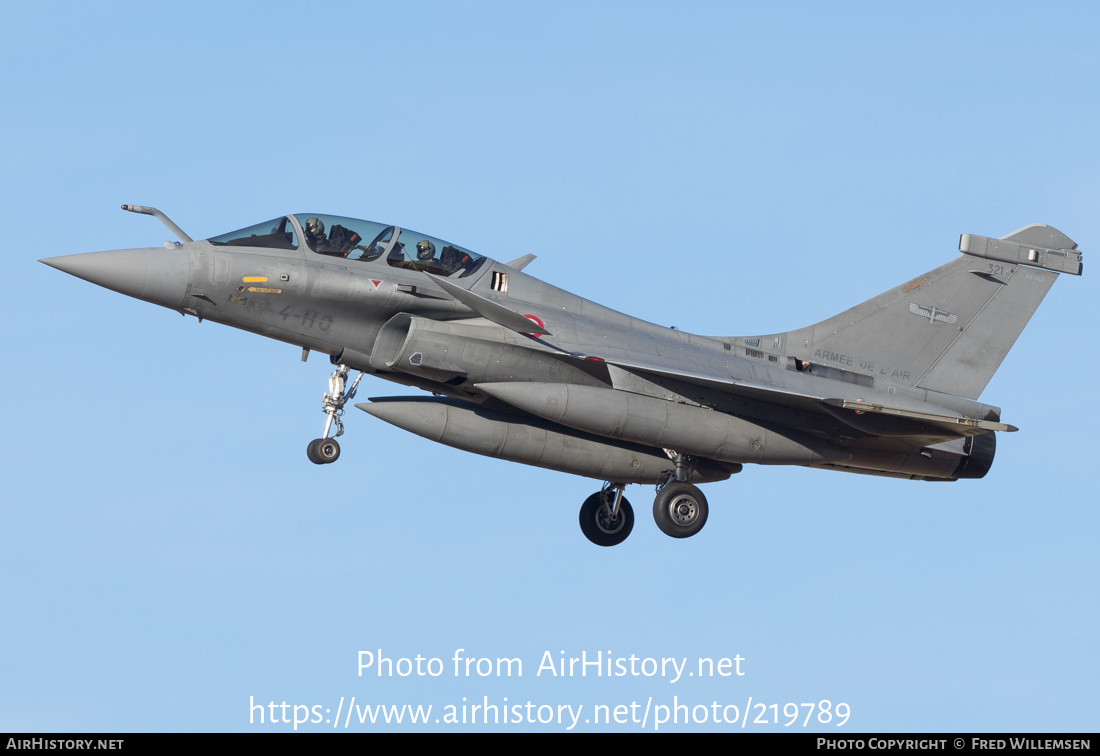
(949, 329)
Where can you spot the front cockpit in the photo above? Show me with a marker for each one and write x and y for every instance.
(358, 241)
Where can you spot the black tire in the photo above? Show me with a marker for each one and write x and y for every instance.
(596, 522)
(680, 510)
(311, 452)
(328, 450)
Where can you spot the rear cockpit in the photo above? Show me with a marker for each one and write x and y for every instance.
(359, 241)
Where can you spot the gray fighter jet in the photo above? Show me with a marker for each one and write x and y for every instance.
(521, 370)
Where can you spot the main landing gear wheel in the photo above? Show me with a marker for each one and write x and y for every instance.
(680, 510)
(322, 451)
(600, 525)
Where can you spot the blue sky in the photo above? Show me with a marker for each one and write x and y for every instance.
(171, 555)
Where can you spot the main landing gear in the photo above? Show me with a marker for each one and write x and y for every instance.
(324, 450)
(679, 509)
(606, 516)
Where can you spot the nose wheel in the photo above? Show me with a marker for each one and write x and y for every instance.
(323, 450)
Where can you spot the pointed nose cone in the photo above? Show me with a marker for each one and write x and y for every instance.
(155, 274)
(123, 270)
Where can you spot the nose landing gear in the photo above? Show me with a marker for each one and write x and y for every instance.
(323, 450)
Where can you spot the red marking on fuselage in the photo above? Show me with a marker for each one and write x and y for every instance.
(535, 320)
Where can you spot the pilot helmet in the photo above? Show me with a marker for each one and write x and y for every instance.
(425, 250)
(314, 227)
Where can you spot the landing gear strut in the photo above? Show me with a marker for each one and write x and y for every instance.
(324, 450)
(606, 516)
(680, 509)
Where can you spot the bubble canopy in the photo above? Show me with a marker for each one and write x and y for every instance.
(357, 240)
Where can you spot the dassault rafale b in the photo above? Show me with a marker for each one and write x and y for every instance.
(524, 371)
